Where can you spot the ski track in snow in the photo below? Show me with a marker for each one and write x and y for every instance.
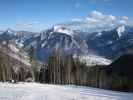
(34, 91)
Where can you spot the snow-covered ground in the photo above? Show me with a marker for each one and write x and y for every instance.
(94, 60)
(34, 91)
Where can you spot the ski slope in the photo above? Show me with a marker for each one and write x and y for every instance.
(34, 91)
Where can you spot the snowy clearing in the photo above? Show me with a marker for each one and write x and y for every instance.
(34, 91)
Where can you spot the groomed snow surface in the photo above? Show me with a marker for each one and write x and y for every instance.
(34, 91)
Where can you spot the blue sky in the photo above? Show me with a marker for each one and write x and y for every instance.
(36, 15)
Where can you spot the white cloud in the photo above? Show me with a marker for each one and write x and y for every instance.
(97, 18)
(125, 18)
(92, 20)
(103, 20)
(27, 24)
(77, 19)
(123, 22)
(24, 24)
(111, 17)
(96, 15)
(98, 21)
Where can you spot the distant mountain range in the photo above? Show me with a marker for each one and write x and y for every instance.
(106, 44)
(113, 43)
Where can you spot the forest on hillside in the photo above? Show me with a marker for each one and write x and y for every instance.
(64, 70)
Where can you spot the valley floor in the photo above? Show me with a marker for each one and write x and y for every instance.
(35, 91)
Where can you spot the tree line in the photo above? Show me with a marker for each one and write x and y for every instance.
(69, 70)
(64, 69)
(13, 70)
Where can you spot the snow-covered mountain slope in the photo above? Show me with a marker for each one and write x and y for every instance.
(120, 30)
(17, 36)
(51, 40)
(34, 91)
(61, 29)
(14, 52)
(67, 42)
(15, 64)
(59, 38)
(94, 60)
(108, 44)
(112, 43)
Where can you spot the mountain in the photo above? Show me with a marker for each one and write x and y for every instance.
(61, 39)
(14, 51)
(11, 43)
(107, 44)
(16, 37)
(106, 35)
(14, 64)
(7, 35)
(97, 35)
(66, 41)
(113, 43)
